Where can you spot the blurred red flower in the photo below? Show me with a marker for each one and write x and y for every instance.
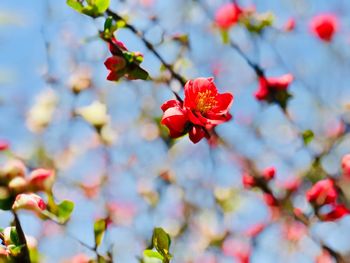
(345, 164)
(289, 25)
(337, 211)
(4, 145)
(269, 173)
(269, 86)
(227, 15)
(323, 192)
(324, 26)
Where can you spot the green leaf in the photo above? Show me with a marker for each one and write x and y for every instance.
(77, 6)
(102, 5)
(148, 253)
(65, 209)
(93, 8)
(308, 136)
(161, 241)
(137, 73)
(6, 204)
(15, 250)
(14, 237)
(59, 213)
(108, 23)
(99, 230)
(256, 23)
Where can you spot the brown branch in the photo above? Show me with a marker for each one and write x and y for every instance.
(24, 256)
(149, 46)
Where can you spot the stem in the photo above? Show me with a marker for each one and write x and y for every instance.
(24, 256)
(258, 70)
(338, 258)
(149, 46)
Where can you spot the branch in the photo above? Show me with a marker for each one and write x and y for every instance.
(149, 46)
(24, 256)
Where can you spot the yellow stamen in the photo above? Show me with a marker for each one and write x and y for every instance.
(205, 101)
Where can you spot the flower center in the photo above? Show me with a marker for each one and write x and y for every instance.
(205, 101)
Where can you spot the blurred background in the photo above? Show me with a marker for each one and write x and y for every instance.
(193, 191)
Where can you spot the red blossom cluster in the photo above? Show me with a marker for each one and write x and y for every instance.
(202, 109)
(250, 181)
(274, 89)
(123, 63)
(22, 188)
(324, 193)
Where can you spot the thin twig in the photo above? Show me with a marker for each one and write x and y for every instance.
(149, 46)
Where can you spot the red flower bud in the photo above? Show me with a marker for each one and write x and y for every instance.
(289, 25)
(12, 169)
(345, 164)
(41, 179)
(337, 212)
(323, 192)
(267, 86)
(269, 173)
(175, 118)
(255, 230)
(237, 249)
(324, 26)
(4, 145)
(18, 185)
(248, 181)
(116, 46)
(31, 202)
(270, 200)
(197, 133)
(227, 15)
(115, 64)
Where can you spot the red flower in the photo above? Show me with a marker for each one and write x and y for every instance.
(203, 108)
(324, 26)
(115, 46)
(269, 86)
(345, 164)
(323, 192)
(270, 200)
(248, 181)
(4, 145)
(289, 25)
(115, 64)
(41, 179)
(255, 230)
(324, 257)
(175, 118)
(197, 133)
(269, 173)
(206, 107)
(227, 15)
(123, 63)
(236, 249)
(337, 212)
